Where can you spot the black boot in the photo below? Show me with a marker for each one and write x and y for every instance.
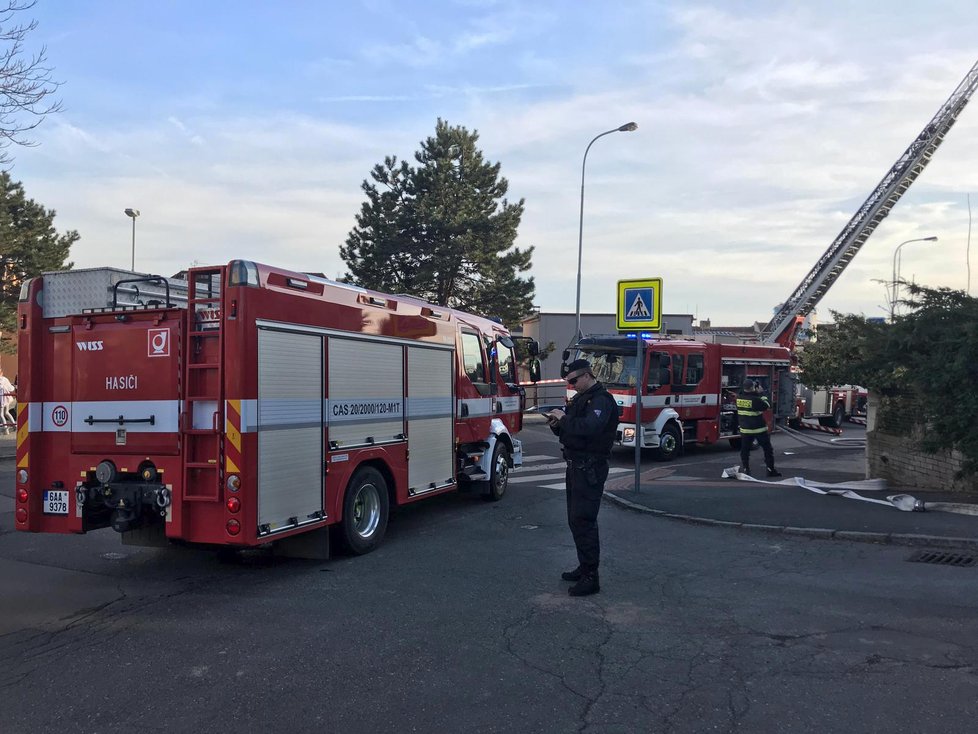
(772, 472)
(574, 575)
(587, 585)
(744, 469)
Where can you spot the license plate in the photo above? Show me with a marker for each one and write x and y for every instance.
(55, 502)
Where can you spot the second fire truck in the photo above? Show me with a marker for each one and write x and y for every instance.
(688, 389)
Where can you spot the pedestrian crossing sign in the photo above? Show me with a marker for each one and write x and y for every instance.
(640, 304)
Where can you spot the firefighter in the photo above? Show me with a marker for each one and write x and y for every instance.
(586, 430)
(751, 405)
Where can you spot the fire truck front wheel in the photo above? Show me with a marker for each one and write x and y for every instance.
(670, 443)
(499, 474)
(365, 511)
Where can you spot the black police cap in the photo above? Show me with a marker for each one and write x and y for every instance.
(578, 364)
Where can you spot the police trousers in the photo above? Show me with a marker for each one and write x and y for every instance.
(585, 485)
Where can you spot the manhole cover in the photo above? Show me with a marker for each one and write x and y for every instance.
(943, 559)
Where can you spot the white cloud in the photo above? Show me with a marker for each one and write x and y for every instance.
(760, 134)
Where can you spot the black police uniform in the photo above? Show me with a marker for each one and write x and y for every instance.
(750, 418)
(587, 433)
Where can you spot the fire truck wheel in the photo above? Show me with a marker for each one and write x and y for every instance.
(669, 444)
(499, 476)
(735, 444)
(365, 510)
(839, 415)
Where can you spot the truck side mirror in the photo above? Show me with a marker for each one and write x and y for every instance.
(524, 345)
(535, 370)
(563, 369)
(565, 355)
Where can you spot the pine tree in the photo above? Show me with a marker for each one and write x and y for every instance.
(443, 230)
(29, 245)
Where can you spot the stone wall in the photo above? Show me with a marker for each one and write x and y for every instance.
(893, 449)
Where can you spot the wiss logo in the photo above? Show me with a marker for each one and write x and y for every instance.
(95, 346)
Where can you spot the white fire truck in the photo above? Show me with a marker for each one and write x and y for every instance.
(689, 388)
(250, 404)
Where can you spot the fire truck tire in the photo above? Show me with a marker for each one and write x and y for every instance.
(499, 474)
(670, 443)
(735, 444)
(365, 511)
(838, 415)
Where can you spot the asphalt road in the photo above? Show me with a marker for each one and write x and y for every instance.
(459, 623)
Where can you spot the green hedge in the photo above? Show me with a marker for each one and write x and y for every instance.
(924, 365)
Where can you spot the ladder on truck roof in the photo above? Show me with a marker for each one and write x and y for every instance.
(203, 385)
(783, 327)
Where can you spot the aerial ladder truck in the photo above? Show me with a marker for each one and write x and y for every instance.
(831, 405)
(687, 388)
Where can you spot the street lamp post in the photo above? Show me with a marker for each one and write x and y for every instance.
(897, 261)
(133, 213)
(626, 128)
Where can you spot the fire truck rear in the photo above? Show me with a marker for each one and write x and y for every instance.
(688, 387)
(249, 404)
(831, 406)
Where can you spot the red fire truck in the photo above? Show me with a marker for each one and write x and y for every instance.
(831, 406)
(250, 404)
(688, 387)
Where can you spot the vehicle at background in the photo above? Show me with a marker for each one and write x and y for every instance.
(249, 404)
(831, 406)
(689, 388)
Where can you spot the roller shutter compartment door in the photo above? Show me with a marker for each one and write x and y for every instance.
(430, 418)
(366, 392)
(290, 429)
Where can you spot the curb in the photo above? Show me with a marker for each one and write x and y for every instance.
(908, 539)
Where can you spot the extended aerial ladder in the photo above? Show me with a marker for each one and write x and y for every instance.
(783, 327)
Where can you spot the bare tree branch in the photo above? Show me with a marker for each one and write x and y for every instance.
(26, 84)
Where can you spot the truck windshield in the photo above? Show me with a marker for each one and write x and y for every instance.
(613, 370)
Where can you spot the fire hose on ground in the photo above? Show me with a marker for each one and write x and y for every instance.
(902, 502)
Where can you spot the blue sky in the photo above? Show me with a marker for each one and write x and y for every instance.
(245, 129)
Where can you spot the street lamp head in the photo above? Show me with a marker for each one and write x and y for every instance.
(930, 239)
(628, 127)
(130, 212)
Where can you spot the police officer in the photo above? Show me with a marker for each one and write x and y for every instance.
(751, 405)
(587, 431)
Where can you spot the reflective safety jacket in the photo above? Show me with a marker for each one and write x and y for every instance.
(750, 412)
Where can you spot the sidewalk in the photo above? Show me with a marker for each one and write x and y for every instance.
(782, 506)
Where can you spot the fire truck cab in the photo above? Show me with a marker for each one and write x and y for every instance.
(688, 387)
(250, 404)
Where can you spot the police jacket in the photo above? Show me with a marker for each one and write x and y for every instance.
(590, 424)
(750, 412)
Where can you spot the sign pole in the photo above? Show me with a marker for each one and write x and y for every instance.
(639, 308)
(639, 379)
